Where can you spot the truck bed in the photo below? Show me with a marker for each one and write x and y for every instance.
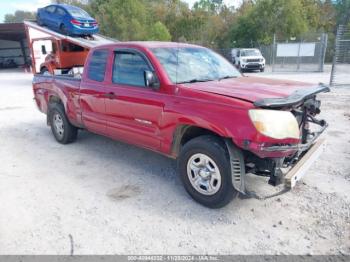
(47, 87)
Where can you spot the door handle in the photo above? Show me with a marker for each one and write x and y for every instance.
(110, 95)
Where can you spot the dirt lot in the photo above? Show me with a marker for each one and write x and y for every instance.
(98, 196)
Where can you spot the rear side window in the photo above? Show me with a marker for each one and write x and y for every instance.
(97, 66)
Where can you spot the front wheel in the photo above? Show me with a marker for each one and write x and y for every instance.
(39, 21)
(205, 171)
(63, 131)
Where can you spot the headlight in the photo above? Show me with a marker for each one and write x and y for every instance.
(275, 124)
(244, 60)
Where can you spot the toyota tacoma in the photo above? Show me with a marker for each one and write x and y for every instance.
(189, 103)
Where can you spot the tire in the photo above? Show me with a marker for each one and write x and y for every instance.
(262, 69)
(214, 151)
(63, 131)
(39, 21)
(63, 29)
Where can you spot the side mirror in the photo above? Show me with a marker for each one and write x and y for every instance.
(151, 80)
(43, 50)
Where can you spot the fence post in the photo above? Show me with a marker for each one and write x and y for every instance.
(273, 53)
(324, 43)
(336, 51)
(298, 59)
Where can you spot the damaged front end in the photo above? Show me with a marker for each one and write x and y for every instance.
(284, 162)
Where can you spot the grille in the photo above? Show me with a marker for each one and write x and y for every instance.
(253, 60)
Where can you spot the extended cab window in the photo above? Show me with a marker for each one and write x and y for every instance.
(97, 66)
(129, 69)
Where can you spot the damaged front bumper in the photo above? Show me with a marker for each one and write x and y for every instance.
(281, 170)
(289, 175)
(304, 163)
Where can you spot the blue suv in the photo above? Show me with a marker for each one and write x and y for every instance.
(67, 19)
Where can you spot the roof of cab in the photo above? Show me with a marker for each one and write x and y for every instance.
(151, 44)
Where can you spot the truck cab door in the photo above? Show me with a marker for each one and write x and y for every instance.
(92, 93)
(133, 111)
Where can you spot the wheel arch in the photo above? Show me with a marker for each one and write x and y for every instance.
(185, 133)
(55, 99)
(42, 67)
(52, 99)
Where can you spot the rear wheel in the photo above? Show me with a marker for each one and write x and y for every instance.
(63, 131)
(63, 29)
(205, 171)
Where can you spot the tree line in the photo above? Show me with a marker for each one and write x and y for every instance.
(211, 23)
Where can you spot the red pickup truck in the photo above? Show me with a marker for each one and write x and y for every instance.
(190, 104)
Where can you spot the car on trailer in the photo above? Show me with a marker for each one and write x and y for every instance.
(67, 19)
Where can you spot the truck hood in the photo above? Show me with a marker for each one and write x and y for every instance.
(263, 92)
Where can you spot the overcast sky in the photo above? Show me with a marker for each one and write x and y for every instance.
(10, 6)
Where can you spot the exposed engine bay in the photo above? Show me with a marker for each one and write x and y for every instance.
(305, 107)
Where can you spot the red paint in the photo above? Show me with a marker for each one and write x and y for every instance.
(219, 106)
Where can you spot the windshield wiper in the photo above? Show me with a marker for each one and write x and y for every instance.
(195, 80)
(226, 77)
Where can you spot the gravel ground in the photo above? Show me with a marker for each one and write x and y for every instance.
(99, 196)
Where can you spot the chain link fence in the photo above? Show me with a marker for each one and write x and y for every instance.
(302, 54)
(298, 54)
(340, 75)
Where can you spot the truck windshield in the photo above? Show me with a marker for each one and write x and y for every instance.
(251, 52)
(191, 64)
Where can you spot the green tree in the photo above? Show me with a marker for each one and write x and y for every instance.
(210, 22)
(19, 16)
(343, 11)
(209, 6)
(262, 20)
(124, 20)
(159, 32)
